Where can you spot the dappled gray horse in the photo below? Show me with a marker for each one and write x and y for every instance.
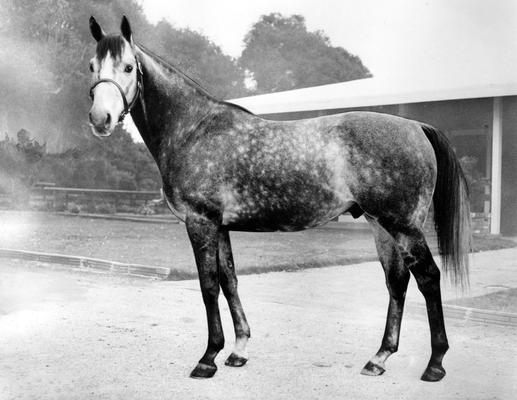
(225, 169)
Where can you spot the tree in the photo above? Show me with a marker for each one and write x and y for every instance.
(42, 59)
(44, 56)
(20, 163)
(282, 55)
(198, 57)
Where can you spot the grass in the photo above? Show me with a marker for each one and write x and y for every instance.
(167, 245)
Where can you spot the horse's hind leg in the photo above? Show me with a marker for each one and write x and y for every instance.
(228, 278)
(397, 278)
(419, 260)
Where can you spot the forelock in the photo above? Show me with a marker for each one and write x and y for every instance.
(114, 44)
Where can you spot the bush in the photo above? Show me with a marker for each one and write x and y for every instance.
(126, 182)
(60, 206)
(74, 208)
(90, 206)
(42, 207)
(106, 208)
(124, 208)
(147, 209)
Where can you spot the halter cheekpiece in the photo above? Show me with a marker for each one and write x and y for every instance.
(138, 93)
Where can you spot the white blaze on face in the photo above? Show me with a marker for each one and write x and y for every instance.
(108, 103)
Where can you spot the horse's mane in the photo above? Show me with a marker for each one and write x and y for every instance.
(172, 68)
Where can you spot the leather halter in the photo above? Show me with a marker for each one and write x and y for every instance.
(138, 93)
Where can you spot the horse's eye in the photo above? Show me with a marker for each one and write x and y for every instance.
(91, 67)
(128, 68)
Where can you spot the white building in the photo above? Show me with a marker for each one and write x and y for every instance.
(479, 117)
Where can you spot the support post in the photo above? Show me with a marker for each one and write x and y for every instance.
(497, 147)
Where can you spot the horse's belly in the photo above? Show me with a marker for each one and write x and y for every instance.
(276, 222)
(294, 215)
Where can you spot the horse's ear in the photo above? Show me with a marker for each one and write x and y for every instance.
(125, 28)
(96, 29)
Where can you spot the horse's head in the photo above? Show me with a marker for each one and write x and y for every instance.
(115, 78)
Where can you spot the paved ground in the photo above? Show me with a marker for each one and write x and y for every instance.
(70, 335)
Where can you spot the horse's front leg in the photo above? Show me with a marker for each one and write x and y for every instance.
(203, 234)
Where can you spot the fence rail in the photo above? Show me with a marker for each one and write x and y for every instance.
(101, 191)
(61, 198)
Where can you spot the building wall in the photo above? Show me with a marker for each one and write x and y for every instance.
(468, 124)
(509, 168)
(389, 109)
(445, 115)
(453, 115)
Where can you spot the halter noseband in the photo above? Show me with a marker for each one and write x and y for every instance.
(138, 93)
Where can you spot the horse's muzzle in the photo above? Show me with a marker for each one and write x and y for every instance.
(102, 132)
(100, 125)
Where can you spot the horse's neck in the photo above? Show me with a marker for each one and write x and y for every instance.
(172, 107)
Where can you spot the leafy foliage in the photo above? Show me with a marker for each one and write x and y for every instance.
(118, 163)
(46, 45)
(45, 49)
(282, 55)
(44, 56)
(195, 55)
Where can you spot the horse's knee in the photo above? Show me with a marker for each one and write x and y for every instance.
(210, 292)
(228, 284)
(396, 282)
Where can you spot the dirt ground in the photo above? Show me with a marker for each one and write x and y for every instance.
(70, 335)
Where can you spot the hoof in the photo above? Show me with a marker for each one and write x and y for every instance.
(372, 369)
(203, 371)
(433, 373)
(234, 360)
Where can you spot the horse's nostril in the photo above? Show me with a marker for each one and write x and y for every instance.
(90, 117)
(108, 119)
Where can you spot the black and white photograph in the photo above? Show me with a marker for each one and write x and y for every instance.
(288, 199)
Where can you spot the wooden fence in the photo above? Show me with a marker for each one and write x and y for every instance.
(62, 199)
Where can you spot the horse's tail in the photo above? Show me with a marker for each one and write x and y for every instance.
(451, 209)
